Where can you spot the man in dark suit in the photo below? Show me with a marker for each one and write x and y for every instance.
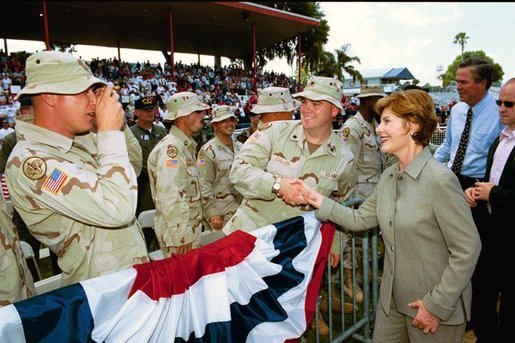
(499, 193)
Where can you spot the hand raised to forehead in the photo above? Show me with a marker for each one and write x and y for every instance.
(108, 110)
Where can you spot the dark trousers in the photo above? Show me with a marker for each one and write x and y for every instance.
(485, 282)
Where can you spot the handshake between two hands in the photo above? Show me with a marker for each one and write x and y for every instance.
(296, 192)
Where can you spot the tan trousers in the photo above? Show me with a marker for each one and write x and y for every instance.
(396, 327)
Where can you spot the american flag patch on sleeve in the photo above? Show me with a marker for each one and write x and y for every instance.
(54, 182)
(172, 163)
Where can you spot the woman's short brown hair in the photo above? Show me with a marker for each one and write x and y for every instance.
(415, 106)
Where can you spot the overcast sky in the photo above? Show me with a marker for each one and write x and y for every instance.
(415, 35)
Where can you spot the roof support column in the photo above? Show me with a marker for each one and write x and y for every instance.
(45, 21)
(254, 54)
(5, 47)
(299, 56)
(172, 47)
(118, 47)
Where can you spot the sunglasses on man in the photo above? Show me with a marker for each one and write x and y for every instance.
(507, 104)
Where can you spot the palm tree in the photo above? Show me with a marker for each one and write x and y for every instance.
(334, 64)
(461, 39)
(343, 61)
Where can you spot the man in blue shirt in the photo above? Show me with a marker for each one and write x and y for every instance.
(473, 78)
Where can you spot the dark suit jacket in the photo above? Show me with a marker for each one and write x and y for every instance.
(502, 197)
(502, 203)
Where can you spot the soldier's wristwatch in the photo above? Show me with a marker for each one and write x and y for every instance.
(277, 185)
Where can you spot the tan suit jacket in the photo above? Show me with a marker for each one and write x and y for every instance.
(431, 242)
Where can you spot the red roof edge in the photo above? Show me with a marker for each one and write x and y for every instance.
(247, 6)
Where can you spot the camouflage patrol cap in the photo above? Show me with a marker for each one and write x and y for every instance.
(221, 113)
(183, 104)
(57, 72)
(275, 99)
(323, 88)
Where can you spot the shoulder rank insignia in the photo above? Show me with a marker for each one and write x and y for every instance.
(266, 126)
(34, 168)
(171, 151)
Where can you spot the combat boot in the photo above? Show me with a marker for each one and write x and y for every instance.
(336, 304)
(323, 329)
(347, 287)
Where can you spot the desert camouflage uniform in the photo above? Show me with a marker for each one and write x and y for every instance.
(175, 186)
(219, 197)
(280, 149)
(78, 199)
(360, 137)
(15, 279)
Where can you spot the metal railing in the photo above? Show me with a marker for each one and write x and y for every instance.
(357, 325)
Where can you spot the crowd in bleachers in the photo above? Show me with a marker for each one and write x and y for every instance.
(229, 85)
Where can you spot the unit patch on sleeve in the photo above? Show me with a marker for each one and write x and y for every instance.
(34, 168)
(171, 151)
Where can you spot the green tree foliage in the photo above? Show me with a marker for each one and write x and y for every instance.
(331, 65)
(312, 42)
(461, 39)
(64, 47)
(450, 73)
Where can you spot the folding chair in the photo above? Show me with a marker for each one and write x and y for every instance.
(28, 253)
(146, 220)
(48, 284)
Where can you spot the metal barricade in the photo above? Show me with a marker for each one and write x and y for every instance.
(438, 136)
(355, 326)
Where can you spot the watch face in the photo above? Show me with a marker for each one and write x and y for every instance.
(276, 185)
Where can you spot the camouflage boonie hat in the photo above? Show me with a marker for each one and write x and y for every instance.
(183, 104)
(367, 91)
(323, 88)
(56, 72)
(275, 99)
(221, 113)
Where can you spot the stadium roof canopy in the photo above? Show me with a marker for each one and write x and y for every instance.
(208, 28)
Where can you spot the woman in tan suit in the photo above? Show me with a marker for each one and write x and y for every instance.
(431, 242)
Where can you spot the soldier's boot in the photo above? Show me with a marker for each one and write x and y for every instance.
(336, 304)
(323, 329)
(347, 287)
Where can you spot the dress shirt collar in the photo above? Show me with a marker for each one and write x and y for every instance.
(482, 104)
(507, 133)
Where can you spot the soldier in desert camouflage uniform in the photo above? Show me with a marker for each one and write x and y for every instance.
(273, 104)
(174, 178)
(285, 150)
(219, 198)
(15, 279)
(76, 191)
(358, 133)
(266, 166)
